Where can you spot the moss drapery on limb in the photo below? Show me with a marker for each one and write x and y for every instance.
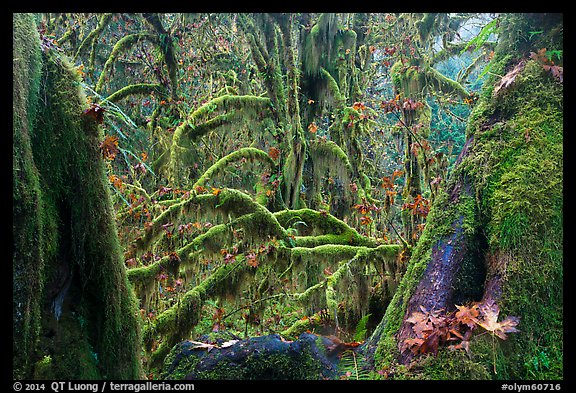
(136, 89)
(85, 297)
(257, 225)
(121, 46)
(220, 112)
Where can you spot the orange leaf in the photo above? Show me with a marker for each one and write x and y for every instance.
(274, 153)
(313, 127)
(216, 191)
(468, 315)
(109, 147)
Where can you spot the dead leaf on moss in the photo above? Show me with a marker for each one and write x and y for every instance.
(509, 78)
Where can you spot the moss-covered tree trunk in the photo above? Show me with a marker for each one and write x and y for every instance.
(495, 233)
(75, 314)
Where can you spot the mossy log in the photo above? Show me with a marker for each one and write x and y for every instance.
(310, 357)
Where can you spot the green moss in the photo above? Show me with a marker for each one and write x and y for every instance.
(43, 369)
(448, 365)
(65, 148)
(30, 244)
(248, 153)
(122, 45)
(136, 89)
(301, 326)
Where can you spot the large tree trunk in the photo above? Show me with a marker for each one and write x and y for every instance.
(496, 232)
(75, 314)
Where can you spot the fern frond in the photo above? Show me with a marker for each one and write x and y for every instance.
(353, 366)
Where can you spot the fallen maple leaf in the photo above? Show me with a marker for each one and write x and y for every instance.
(508, 79)
(468, 315)
(490, 311)
(228, 343)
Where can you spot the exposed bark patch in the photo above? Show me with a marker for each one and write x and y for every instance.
(436, 289)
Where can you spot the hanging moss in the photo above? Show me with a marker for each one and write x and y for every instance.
(248, 153)
(121, 46)
(319, 42)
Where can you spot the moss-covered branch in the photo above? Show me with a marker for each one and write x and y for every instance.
(321, 228)
(136, 89)
(168, 51)
(444, 84)
(249, 153)
(94, 34)
(121, 46)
